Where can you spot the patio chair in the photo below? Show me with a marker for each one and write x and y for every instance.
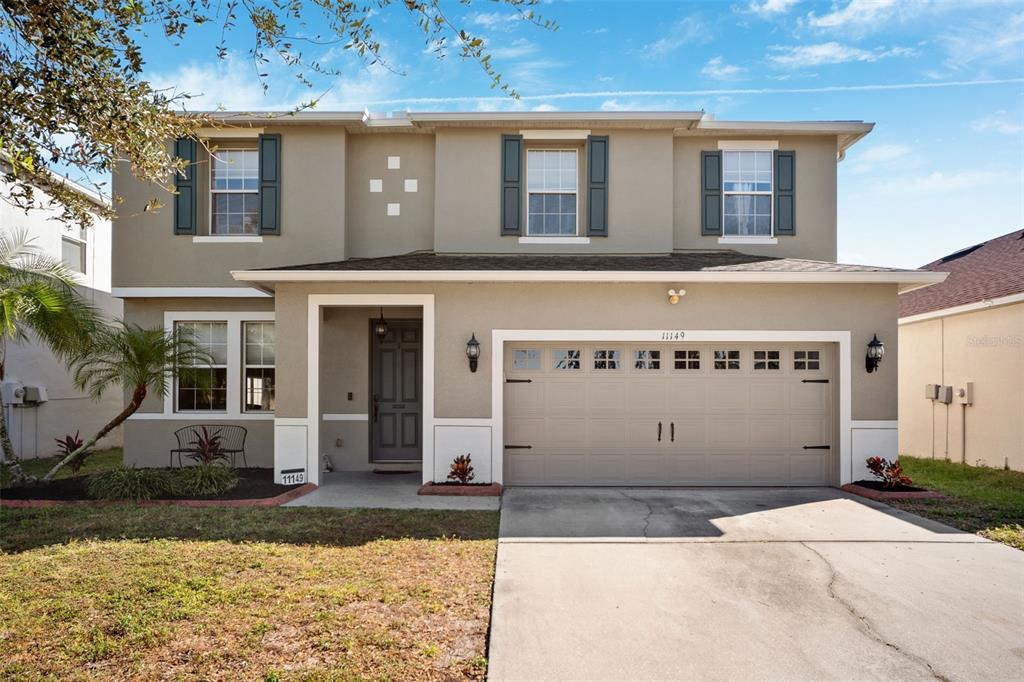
(232, 440)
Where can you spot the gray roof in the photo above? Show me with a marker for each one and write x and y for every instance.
(680, 261)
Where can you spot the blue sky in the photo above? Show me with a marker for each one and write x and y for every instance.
(942, 81)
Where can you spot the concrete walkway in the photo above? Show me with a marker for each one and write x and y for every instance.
(741, 584)
(364, 489)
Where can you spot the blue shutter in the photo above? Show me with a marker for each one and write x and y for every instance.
(270, 184)
(185, 188)
(785, 193)
(711, 193)
(511, 184)
(597, 186)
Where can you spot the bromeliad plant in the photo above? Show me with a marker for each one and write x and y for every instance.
(461, 470)
(207, 447)
(69, 444)
(890, 473)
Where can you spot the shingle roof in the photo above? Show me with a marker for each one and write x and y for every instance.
(683, 261)
(978, 273)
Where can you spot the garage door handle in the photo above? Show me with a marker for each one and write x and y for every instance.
(518, 381)
(659, 432)
(814, 381)
(672, 432)
(817, 447)
(518, 447)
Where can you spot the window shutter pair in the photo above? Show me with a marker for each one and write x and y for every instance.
(269, 147)
(783, 193)
(512, 182)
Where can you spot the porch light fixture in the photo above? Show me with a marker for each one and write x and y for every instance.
(473, 352)
(380, 327)
(876, 349)
(674, 296)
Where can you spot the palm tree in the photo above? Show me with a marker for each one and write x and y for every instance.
(38, 299)
(137, 359)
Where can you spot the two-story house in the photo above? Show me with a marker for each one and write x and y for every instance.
(571, 298)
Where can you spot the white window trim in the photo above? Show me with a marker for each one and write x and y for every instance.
(554, 240)
(214, 238)
(84, 272)
(555, 135)
(234, 320)
(750, 146)
(550, 239)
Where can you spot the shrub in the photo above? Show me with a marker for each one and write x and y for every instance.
(128, 483)
(202, 480)
(462, 470)
(890, 473)
(67, 445)
(207, 447)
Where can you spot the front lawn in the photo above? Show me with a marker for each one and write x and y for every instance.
(982, 500)
(101, 460)
(127, 592)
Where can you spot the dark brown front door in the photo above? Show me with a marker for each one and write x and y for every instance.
(396, 385)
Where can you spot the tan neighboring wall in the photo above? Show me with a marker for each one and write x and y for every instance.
(147, 253)
(985, 347)
(815, 236)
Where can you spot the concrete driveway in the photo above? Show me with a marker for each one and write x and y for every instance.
(743, 584)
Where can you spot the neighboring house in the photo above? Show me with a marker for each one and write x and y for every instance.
(37, 417)
(966, 336)
(560, 242)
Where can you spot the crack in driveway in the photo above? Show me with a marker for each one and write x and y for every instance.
(650, 509)
(864, 623)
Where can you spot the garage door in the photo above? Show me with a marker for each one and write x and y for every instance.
(658, 414)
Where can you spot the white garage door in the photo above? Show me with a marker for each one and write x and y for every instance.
(659, 414)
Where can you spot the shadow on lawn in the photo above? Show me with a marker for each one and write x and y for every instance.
(25, 529)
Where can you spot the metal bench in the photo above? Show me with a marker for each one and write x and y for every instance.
(232, 440)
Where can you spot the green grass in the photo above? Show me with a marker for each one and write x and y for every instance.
(125, 592)
(102, 460)
(981, 500)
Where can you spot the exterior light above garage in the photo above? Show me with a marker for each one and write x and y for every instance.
(380, 327)
(473, 352)
(876, 349)
(674, 295)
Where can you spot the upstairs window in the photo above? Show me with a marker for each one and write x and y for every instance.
(551, 192)
(234, 191)
(74, 250)
(747, 193)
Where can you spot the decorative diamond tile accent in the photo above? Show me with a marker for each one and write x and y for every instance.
(394, 209)
(376, 185)
(394, 162)
(412, 185)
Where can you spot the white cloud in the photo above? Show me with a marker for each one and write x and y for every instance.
(990, 43)
(686, 30)
(801, 56)
(545, 107)
(518, 48)
(867, 160)
(616, 104)
(767, 8)
(368, 84)
(229, 83)
(494, 21)
(1000, 122)
(719, 70)
(858, 13)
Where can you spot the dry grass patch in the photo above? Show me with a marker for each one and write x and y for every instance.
(378, 595)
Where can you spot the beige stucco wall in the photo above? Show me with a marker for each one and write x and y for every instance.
(985, 347)
(465, 308)
(148, 443)
(815, 236)
(469, 194)
(371, 232)
(147, 253)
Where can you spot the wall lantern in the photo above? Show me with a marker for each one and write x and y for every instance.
(876, 349)
(674, 296)
(380, 327)
(473, 352)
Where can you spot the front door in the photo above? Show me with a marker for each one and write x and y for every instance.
(396, 386)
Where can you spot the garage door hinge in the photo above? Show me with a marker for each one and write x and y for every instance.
(814, 381)
(518, 447)
(518, 381)
(817, 447)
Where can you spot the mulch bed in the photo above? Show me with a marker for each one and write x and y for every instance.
(456, 489)
(874, 490)
(253, 484)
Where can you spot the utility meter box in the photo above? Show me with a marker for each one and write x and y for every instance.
(931, 391)
(945, 394)
(35, 394)
(966, 394)
(12, 392)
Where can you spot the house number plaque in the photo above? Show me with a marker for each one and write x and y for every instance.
(673, 335)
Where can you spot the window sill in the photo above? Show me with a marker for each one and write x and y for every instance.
(554, 240)
(748, 240)
(228, 239)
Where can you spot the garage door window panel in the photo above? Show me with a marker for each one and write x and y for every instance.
(686, 359)
(647, 359)
(767, 360)
(727, 359)
(607, 359)
(568, 359)
(526, 359)
(806, 360)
